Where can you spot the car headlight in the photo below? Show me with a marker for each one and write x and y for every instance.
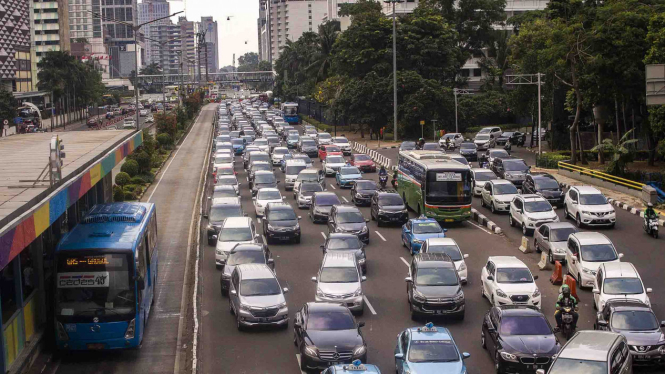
(585, 212)
(559, 250)
(319, 293)
(462, 267)
(270, 227)
(588, 271)
(500, 293)
(281, 306)
(418, 241)
(381, 211)
(360, 350)
(459, 296)
(536, 293)
(359, 196)
(219, 252)
(365, 229)
(311, 350)
(358, 292)
(417, 296)
(508, 356)
(243, 307)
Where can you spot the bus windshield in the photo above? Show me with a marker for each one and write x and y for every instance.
(95, 285)
(448, 187)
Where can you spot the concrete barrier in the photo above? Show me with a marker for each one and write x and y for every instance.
(376, 156)
(482, 220)
(524, 246)
(544, 263)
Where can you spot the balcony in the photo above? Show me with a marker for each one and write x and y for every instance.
(47, 37)
(42, 16)
(525, 5)
(46, 26)
(46, 5)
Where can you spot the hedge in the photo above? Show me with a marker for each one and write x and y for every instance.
(118, 194)
(550, 160)
(137, 180)
(130, 167)
(122, 178)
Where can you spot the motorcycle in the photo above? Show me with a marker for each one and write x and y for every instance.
(383, 179)
(650, 225)
(567, 319)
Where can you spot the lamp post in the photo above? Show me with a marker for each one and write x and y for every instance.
(393, 2)
(459, 91)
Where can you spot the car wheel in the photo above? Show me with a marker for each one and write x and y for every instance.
(550, 258)
(295, 339)
(482, 340)
(524, 230)
(482, 289)
(565, 211)
(482, 201)
(492, 208)
(578, 221)
(231, 308)
(536, 246)
(238, 324)
(403, 242)
(511, 222)
(298, 240)
(497, 363)
(225, 292)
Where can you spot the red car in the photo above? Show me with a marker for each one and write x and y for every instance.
(362, 162)
(329, 150)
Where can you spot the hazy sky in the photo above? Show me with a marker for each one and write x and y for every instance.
(233, 33)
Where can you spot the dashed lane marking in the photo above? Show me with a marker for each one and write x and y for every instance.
(345, 200)
(324, 235)
(371, 308)
(380, 236)
(404, 261)
(332, 186)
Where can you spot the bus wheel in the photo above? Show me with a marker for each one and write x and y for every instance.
(405, 203)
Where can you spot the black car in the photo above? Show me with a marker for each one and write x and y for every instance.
(254, 253)
(469, 151)
(433, 287)
(257, 166)
(491, 154)
(388, 207)
(322, 203)
(219, 210)
(362, 192)
(263, 179)
(637, 322)
(431, 147)
(348, 219)
(519, 338)
(281, 223)
(508, 136)
(308, 147)
(327, 334)
(546, 186)
(346, 243)
(511, 169)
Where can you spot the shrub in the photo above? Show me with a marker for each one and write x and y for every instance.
(129, 196)
(156, 161)
(550, 160)
(129, 188)
(118, 194)
(147, 177)
(122, 178)
(164, 140)
(130, 167)
(143, 160)
(137, 180)
(138, 191)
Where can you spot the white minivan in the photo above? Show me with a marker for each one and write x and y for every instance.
(234, 231)
(291, 171)
(585, 252)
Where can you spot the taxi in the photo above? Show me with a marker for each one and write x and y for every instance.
(356, 367)
(329, 150)
(347, 175)
(416, 230)
(428, 349)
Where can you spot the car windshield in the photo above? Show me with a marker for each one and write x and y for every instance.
(293, 138)
(513, 275)
(294, 169)
(505, 189)
(407, 146)
(483, 177)
(338, 275)
(362, 158)
(330, 321)
(350, 217)
(280, 151)
(593, 199)
(524, 325)
(235, 234)
(467, 146)
(450, 250)
(366, 186)
(327, 200)
(223, 159)
(261, 142)
(222, 212)
(433, 351)
(598, 253)
(335, 160)
(264, 178)
(261, 166)
(246, 257)
(310, 187)
(226, 192)
(498, 153)
(260, 287)
(426, 228)
(325, 136)
(482, 137)
(351, 242)
(634, 320)
(227, 180)
(225, 171)
(332, 149)
(349, 171)
(436, 277)
(571, 365)
(390, 200)
(237, 142)
(507, 134)
(623, 286)
(282, 215)
(537, 206)
(304, 158)
(308, 176)
(546, 184)
(341, 140)
(515, 165)
(265, 194)
(308, 143)
(561, 235)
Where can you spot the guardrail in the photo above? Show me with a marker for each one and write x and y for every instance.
(376, 156)
(602, 176)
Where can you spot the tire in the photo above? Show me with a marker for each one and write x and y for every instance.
(578, 221)
(655, 234)
(550, 258)
(482, 201)
(211, 242)
(492, 208)
(295, 341)
(565, 211)
(497, 363)
(482, 340)
(225, 293)
(231, 309)
(482, 290)
(511, 221)
(536, 246)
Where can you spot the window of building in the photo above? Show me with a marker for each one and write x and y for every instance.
(464, 72)
(477, 72)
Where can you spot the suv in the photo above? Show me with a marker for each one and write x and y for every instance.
(256, 297)
(348, 219)
(308, 147)
(511, 169)
(281, 223)
(340, 281)
(495, 131)
(309, 175)
(497, 194)
(346, 243)
(585, 252)
(618, 280)
(530, 211)
(433, 286)
(454, 138)
(291, 170)
(220, 209)
(244, 254)
(343, 144)
(546, 186)
(505, 280)
(234, 230)
(388, 207)
(593, 352)
(588, 207)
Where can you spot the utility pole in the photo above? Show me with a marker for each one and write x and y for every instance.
(459, 91)
(434, 129)
(394, 67)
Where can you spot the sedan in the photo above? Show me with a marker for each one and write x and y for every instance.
(552, 238)
(417, 230)
(322, 203)
(428, 349)
(362, 162)
(347, 175)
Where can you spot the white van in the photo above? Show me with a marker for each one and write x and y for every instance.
(291, 171)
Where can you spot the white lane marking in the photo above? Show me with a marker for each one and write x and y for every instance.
(480, 227)
(345, 200)
(324, 235)
(298, 359)
(380, 236)
(332, 186)
(371, 308)
(404, 261)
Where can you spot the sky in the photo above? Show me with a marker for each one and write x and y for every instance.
(232, 33)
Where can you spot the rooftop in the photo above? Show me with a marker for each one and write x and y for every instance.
(589, 345)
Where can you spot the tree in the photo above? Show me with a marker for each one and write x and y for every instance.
(7, 106)
(151, 69)
(248, 62)
(323, 57)
(620, 152)
(656, 55)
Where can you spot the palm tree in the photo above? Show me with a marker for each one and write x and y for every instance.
(620, 152)
(322, 58)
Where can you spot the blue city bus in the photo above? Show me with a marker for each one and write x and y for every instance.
(290, 111)
(106, 272)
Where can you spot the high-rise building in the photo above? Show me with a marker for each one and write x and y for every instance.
(118, 37)
(333, 13)
(289, 19)
(209, 26)
(15, 61)
(150, 10)
(50, 21)
(164, 53)
(187, 30)
(85, 33)
(263, 30)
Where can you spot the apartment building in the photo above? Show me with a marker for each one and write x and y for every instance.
(188, 30)
(119, 38)
(333, 13)
(209, 25)
(150, 10)
(289, 19)
(50, 21)
(16, 61)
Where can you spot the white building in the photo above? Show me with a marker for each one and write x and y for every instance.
(150, 10)
(333, 13)
(405, 7)
(289, 19)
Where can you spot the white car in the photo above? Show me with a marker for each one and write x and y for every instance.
(149, 119)
(505, 280)
(588, 207)
(618, 280)
(343, 144)
(530, 212)
(484, 141)
(480, 177)
(143, 112)
(332, 164)
(455, 138)
(497, 195)
(129, 124)
(265, 196)
(494, 131)
(585, 252)
(235, 230)
(308, 175)
(277, 155)
(323, 138)
(229, 180)
(448, 246)
(262, 144)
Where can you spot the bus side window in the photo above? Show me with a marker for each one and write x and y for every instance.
(140, 253)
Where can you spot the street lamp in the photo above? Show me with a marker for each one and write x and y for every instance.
(135, 29)
(394, 67)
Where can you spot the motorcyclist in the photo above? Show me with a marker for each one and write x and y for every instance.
(447, 143)
(394, 181)
(382, 171)
(421, 143)
(650, 213)
(565, 299)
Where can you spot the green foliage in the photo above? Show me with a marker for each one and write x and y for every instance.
(621, 152)
(165, 140)
(550, 160)
(165, 124)
(7, 106)
(118, 194)
(156, 161)
(147, 177)
(137, 180)
(358, 8)
(122, 178)
(143, 160)
(131, 167)
(149, 143)
(63, 74)
(129, 196)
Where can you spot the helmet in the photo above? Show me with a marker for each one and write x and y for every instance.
(383, 167)
(649, 205)
(565, 290)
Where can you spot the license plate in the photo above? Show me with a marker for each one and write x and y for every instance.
(448, 220)
(96, 346)
(641, 358)
(438, 312)
(394, 218)
(535, 367)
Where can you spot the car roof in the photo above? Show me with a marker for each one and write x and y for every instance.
(226, 201)
(296, 161)
(620, 270)
(255, 271)
(442, 241)
(339, 259)
(587, 237)
(482, 170)
(500, 181)
(507, 261)
(584, 190)
(532, 197)
(341, 235)
(589, 345)
(237, 222)
(279, 206)
(269, 189)
(347, 208)
(318, 307)
(622, 304)
(248, 247)
(324, 193)
(429, 260)
(560, 225)
(260, 172)
(441, 333)
(519, 310)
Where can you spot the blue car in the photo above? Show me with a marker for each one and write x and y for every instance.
(417, 230)
(282, 162)
(346, 175)
(428, 350)
(238, 146)
(356, 367)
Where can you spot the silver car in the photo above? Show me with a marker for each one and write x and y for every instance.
(340, 281)
(256, 297)
(551, 238)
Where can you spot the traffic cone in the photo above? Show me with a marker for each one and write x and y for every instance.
(557, 275)
(572, 283)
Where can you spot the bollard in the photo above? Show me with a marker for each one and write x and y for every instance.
(557, 275)
(544, 263)
(572, 283)
(524, 247)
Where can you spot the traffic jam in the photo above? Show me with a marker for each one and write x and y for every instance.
(291, 212)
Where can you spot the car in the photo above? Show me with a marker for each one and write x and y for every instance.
(459, 158)
(238, 145)
(489, 156)
(332, 164)
(497, 195)
(303, 157)
(277, 154)
(431, 147)
(529, 212)
(449, 247)
(454, 138)
(308, 147)
(323, 138)
(346, 243)
(519, 339)
(585, 252)
(329, 150)
(292, 141)
(258, 166)
(327, 334)
(243, 254)
(273, 141)
(484, 141)
(591, 352)
(322, 203)
(343, 144)
(506, 280)
(291, 170)
(416, 230)
(387, 207)
(511, 137)
(428, 349)
(224, 146)
(348, 219)
(310, 175)
(229, 180)
(552, 238)
(433, 287)
(362, 162)
(263, 179)
(638, 324)
(220, 160)
(222, 191)
(149, 119)
(356, 367)
(469, 151)
(362, 191)
(340, 280)
(494, 131)
(92, 122)
(234, 230)
(219, 210)
(281, 223)
(265, 196)
(511, 169)
(618, 280)
(129, 124)
(256, 298)
(546, 186)
(262, 144)
(407, 146)
(480, 177)
(346, 176)
(303, 194)
(588, 207)
(256, 156)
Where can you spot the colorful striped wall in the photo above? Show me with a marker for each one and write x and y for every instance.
(14, 240)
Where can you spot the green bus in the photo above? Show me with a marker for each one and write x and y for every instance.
(433, 184)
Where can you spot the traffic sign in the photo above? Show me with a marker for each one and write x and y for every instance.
(422, 123)
(5, 122)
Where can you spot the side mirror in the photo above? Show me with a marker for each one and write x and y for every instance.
(277, 182)
(490, 278)
(407, 231)
(596, 291)
(322, 248)
(205, 215)
(408, 279)
(649, 290)
(602, 322)
(366, 220)
(257, 236)
(285, 290)
(620, 255)
(399, 356)
(314, 279)
(254, 198)
(140, 283)
(299, 217)
(234, 292)
(465, 355)
(466, 255)
(361, 324)
(535, 277)
(283, 197)
(271, 260)
(363, 278)
(546, 238)
(445, 230)
(574, 202)
(662, 323)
